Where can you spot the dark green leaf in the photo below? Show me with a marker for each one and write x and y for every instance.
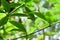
(13, 5)
(28, 1)
(41, 15)
(18, 25)
(27, 9)
(18, 14)
(15, 30)
(5, 5)
(1, 38)
(30, 13)
(3, 20)
(31, 16)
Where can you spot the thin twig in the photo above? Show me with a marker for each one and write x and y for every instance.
(36, 31)
(32, 33)
(16, 8)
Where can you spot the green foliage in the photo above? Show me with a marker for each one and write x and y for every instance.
(27, 16)
(18, 14)
(13, 5)
(41, 15)
(5, 5)
(20, 26)
(4, 20)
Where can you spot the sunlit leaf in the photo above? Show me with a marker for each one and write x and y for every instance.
(47, 33)
(57, 6)
(32, 28)
(40, 37)
(54, 1)
(2, 15)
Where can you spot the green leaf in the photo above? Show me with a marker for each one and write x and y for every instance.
(4, 20)
(39, 23)
(32, 28)
(1, 38)
(40, 37)
(54, 18)
(20, 26)
(15, 30)
(17, 8)
(54, 1)
(31, 16)
(48, 33)
(5, 5)
(48, 16)
(28, 1)
(13, 5)
(27, 9)
(41, 15)
(2, 15)
(57, 6)
(30, 13)
(18, 14)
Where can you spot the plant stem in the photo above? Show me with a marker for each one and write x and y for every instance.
(38, 30)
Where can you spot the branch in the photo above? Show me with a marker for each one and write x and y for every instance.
(32, 33)
(17, 8)
(37, 31)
